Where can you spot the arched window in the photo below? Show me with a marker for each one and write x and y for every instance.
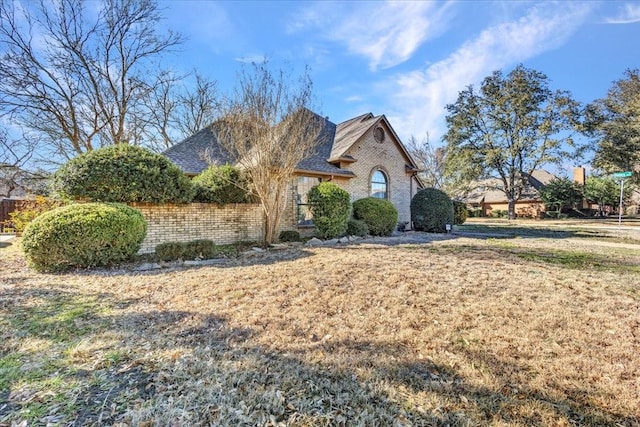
(379, 185)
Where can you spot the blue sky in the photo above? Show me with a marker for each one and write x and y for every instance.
(407, 59)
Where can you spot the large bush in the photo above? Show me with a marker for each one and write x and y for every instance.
(221, 184)
(123, 173)
(431, 210)
(83, 235)
(460, 212)
(380, 215)
(330, 206)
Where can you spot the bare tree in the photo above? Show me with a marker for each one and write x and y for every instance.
(15, 164)
(76, 78)
(268, 129)
(430, 159)
(175, 109)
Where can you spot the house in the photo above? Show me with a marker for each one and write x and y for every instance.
(487, 199)
(363, 155)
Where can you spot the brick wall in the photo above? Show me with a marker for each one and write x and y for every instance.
(223, 224)
(388, 157)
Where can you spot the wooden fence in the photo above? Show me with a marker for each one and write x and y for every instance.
(6, 207)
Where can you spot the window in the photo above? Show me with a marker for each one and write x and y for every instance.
(303, 214)
(379, 185)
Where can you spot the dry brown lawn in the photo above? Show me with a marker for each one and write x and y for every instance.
(458, 331)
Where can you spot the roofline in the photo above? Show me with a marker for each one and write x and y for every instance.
(323, 173)
(395, 135)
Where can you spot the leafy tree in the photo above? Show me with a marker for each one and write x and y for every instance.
(560, 193)
(513, 125)
(85, 88)
(605, 191)
(267, 128)
(615, 121)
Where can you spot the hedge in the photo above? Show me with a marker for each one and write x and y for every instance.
(123, 173)
(83, 235)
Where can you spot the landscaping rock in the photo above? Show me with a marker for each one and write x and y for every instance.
(213, 261)
(257, 249)
(147, 266)
(331, 242)
(314, 242)
(344, 239)
(278, 246)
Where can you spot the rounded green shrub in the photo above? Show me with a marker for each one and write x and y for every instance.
(330, 206)
(431, 210)
(289, 236)
(460, 212)
(123, 173)
(83, 235)
(380, 215)
(221, 184)
(356, 227)
(195, 249)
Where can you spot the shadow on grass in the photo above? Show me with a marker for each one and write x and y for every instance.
(190, 368)
(569, 259)
(513, 402)
(252, 384)
(483, 231)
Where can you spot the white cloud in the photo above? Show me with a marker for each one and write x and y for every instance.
(386, 34)
(252, 58)
(629, 14)
(418, 98)
(353, 98)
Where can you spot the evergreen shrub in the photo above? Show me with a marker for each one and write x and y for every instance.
(460, 212)
(289, 236)
(83, 235)
(431, 210)
(221, 184)
(380, 215)
(330, 206)
(123, 173)
(195, 249)
(356, 227)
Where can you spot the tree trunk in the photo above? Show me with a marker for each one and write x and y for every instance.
(512, 209)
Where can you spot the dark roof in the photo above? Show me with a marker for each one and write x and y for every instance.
(196, 153)
(317, 161)
(331, 145)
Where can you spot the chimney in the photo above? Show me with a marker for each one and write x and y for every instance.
(579, 175)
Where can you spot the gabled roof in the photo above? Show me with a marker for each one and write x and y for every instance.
(488, 190)
(193, 155)
(348, 133)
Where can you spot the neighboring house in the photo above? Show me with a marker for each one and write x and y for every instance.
(363, 155)
(486, 198)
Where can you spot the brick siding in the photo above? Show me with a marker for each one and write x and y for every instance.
(388, 157)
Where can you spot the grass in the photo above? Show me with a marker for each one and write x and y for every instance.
(453, 331)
